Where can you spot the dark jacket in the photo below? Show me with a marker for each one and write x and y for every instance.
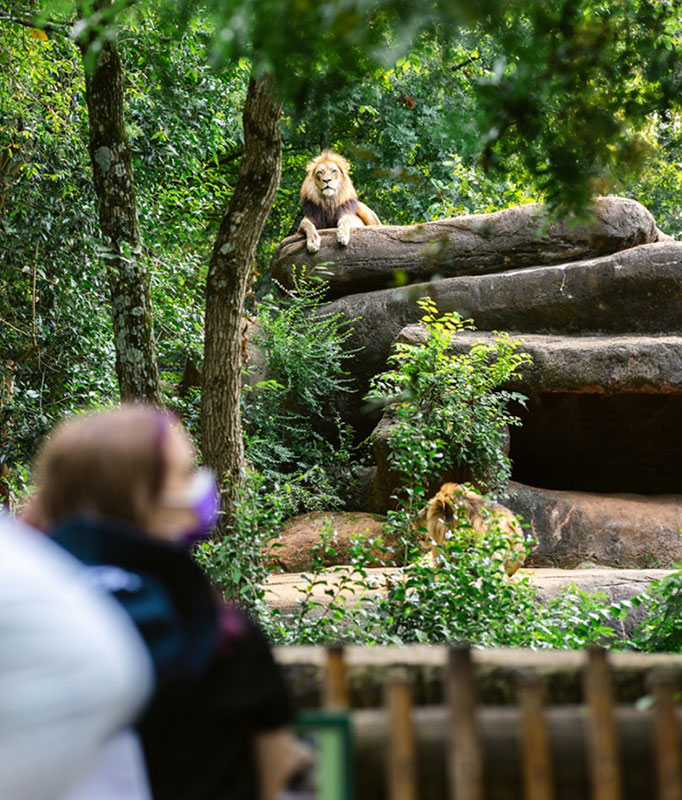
(218, 684)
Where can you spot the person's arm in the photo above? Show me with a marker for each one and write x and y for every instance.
(72, 668)
(279, 756)
(250, 690)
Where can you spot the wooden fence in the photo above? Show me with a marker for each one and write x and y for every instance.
(461, 749)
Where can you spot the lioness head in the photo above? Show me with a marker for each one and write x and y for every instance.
(455, 505)
(444, 512)
(327, 181)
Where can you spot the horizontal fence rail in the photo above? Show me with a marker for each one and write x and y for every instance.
(535, 748)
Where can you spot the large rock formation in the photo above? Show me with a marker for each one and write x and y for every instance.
(574, 529)
(598, 459)
(478, 244)
(636, 291)
(328, 539)
(603, 364)
(602, 412)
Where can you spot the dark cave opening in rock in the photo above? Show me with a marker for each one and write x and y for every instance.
(600, 443)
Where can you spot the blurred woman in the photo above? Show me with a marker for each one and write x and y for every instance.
(119, 490)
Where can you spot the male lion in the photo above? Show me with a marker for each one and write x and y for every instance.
(330, 201)
(454, 504)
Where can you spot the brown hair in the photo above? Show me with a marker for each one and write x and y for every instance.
(107, 463)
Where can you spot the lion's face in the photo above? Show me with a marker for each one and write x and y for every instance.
(328, 177)
(327, 181)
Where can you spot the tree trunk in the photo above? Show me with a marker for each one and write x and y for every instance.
(112, 168)
(9, 167)
(8, 371)
(228, 275)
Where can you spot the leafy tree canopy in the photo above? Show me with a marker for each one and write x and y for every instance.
(567, 88)
(418, 102)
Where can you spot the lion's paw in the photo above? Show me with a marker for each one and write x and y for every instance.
(313, 244)
(342, 236)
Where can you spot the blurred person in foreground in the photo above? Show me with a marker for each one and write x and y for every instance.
(119, 490)
(73, 673)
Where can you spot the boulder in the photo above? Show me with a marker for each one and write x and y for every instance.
(617, 530)
(585, 364)
(637, 291)
(476, 244)
(302, 538)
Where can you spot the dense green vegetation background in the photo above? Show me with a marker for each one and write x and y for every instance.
(412, 131)
(444, 108)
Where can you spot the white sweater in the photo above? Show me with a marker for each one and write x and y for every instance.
(73, 670)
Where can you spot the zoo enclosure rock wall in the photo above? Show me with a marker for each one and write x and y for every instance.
(575, 529)
(602, 417)
(599, 306)
(637, 291)
(477, 244)
(595, 363)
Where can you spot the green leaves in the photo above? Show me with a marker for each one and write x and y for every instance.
(661, 628)
(579, 82)
(447, 407)
(558, 93)
(288, 416)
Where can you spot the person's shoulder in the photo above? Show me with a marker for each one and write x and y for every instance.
(237, 631)
(250, 680)
(163, 591)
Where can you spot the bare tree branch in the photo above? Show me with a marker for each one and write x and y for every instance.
(60, 28)
(465, 63)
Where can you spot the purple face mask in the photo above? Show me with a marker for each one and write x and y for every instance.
(204, 500)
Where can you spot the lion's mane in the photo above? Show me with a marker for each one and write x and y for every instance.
(310, 193)
(441, 515)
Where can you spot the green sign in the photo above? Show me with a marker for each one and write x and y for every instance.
(328, 734)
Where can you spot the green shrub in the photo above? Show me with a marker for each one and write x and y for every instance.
(469, 598)
(449, 410)
(293, 435)
(299, 453)
(661, 628)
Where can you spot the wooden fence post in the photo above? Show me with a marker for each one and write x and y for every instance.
(465, 760)
(537, 759)
(666, 736)
(602, 742)
(401, 760)
(336, 693)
